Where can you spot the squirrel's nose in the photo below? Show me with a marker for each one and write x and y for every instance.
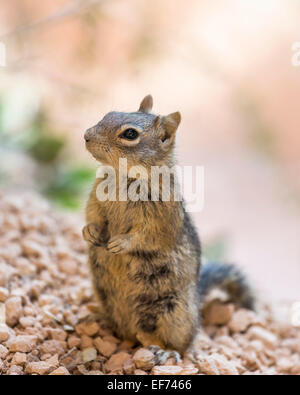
(87, 136)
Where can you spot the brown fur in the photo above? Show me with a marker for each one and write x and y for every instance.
(144, 256)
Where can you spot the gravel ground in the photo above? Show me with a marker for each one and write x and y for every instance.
(46, 311)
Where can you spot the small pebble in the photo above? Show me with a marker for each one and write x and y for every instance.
(144, 359)
(89, 354)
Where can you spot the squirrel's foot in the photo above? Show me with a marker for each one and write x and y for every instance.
(91, 233)
(119, 244)
(161, 355)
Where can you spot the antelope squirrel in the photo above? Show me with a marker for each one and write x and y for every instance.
(145, 256)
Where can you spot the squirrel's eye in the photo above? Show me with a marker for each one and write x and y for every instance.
(129, 134)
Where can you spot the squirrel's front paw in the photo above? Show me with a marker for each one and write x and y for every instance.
(119, 244)
(91, 233)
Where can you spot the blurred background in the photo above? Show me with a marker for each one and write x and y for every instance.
(226, 65)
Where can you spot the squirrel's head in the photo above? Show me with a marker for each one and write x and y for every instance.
(141, 137)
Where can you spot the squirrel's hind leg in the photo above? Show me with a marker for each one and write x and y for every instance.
(161, 355)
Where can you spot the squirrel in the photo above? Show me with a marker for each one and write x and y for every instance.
(145, 256)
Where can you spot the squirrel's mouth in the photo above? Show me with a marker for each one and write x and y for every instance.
(99, 152)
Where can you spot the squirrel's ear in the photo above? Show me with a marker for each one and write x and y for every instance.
(157, 121)
(170, 124)
(146, 104)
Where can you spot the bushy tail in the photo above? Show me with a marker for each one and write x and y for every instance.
(229, 279)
